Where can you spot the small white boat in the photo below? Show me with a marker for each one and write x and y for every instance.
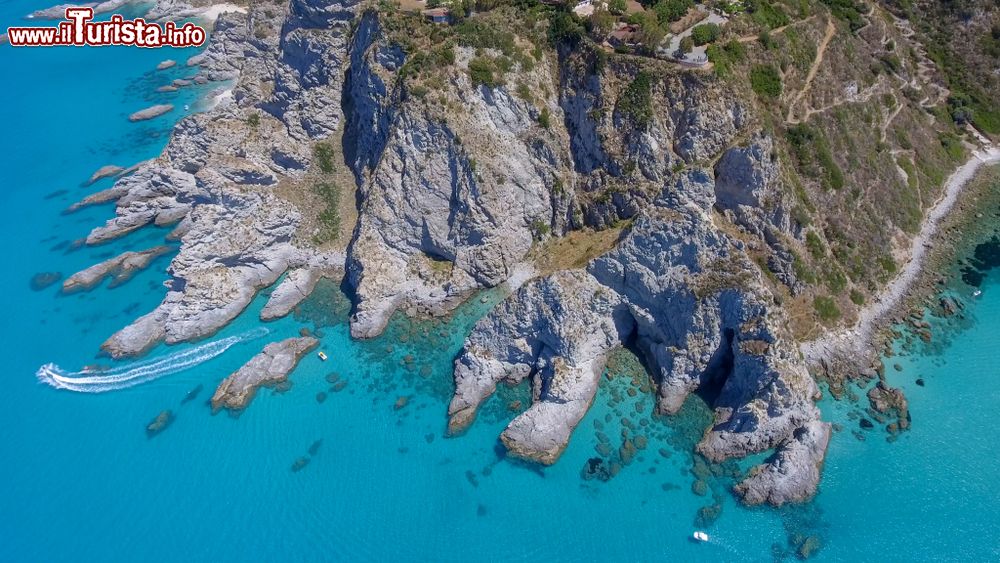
(699, 536)
(322, 355)
(977, 293)
(186, 107)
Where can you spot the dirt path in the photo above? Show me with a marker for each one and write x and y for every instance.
(860, 335)
(831, 30)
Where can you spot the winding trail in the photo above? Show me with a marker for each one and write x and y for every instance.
(859, 336)
(831, 30)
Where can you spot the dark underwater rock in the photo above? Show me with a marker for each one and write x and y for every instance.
(43, 280)
(159, 424)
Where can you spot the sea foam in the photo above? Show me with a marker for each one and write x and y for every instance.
(131, 374)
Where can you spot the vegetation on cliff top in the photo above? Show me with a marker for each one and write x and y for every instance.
(863, 134)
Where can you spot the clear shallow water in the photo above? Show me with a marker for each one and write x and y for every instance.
(81, 480)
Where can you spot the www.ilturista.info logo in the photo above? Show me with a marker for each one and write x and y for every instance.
(80, 30)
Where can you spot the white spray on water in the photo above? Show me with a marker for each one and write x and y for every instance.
(128, 375)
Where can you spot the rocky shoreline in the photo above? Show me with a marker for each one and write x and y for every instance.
(852, 353)
(449, 203)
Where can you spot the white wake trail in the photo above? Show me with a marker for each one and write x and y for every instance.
(134, 373)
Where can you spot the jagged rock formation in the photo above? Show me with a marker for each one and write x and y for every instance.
(215, 181)
(464, 189)
(271, 366)
(120, 268)
(452, 200)
(694, 304)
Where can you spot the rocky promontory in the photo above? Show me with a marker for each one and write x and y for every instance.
(106, 171)
(271, 366)
(460, 157)
(120, 268)
(296, 287)
(690, 299)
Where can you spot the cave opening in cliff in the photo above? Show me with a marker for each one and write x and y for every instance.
(632, 344)
(718, 370)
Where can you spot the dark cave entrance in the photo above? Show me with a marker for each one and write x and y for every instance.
(720, 367)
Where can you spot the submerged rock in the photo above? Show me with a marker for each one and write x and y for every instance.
(159, 424)
(166, 64)
(271, 366)
(43, 280)
(299, 464)
(314, 448)
(192, 394)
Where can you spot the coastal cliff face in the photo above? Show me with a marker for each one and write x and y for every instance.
(472, 149)
(449, 199)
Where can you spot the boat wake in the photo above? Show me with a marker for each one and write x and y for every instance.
(100, 380)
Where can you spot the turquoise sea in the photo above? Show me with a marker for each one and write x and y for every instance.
(81, 481)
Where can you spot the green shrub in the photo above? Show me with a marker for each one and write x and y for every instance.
(826, 308)
(564, 27)
(857, 297)
(765, 81)
(835, 279)
(686, 45)
(481, 72)
(323, 153)
(524, 92)
(724, 57)
(766, 14)
(814, 157)
(543, 117)
(705, 33)
(952, 145)
(481, 34)
(329, 217)
(540, 229)
(253, 120)
(849, 11)
(672, 10)
(815, 246)
(636, 101)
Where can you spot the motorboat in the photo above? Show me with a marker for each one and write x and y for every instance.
(322, 355)
(699, 536)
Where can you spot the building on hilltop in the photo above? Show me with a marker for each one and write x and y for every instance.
(438, 15)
